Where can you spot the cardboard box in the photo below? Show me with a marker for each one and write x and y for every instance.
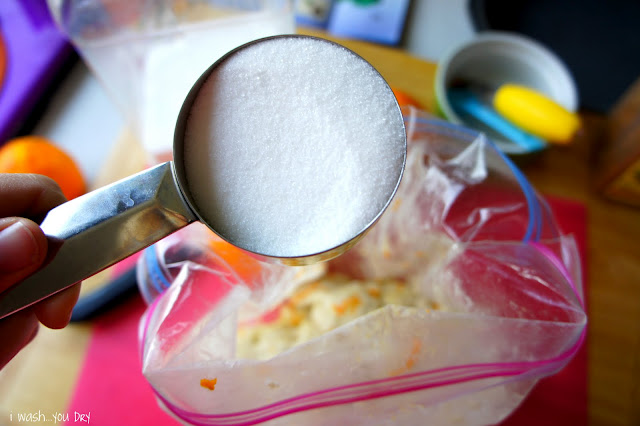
(618, 176)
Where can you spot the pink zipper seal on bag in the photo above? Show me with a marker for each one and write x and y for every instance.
(381, 388)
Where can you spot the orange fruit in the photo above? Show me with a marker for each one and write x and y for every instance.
(246, 266)
(35, 154)
(403, 98)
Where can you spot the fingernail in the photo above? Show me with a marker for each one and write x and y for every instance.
(18, 247)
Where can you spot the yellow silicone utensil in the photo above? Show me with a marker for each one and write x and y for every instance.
(535, 113)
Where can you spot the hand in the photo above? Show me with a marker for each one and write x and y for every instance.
(24, 201)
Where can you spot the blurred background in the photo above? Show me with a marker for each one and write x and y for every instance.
(597, 41)
(62, 80)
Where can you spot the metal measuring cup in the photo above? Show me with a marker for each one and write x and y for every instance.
(100, 228)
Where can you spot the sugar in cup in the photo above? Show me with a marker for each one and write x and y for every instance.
(289, 147)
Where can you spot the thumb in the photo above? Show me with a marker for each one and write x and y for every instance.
(23, 247)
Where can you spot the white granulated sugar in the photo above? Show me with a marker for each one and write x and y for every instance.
(293, 147)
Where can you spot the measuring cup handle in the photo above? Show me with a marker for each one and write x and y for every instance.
(100, 228)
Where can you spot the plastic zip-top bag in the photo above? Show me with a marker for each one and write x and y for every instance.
(456, 302)
(148, 53)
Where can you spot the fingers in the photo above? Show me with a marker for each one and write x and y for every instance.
(17, 331)
(28, 195)
(23, 248)
(23, 245)
(55, 311)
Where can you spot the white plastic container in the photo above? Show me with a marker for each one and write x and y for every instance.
(148, 53)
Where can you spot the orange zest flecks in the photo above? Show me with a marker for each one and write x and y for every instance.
(396, 204)
(386, 249)
(373, 292)
(209, 383)
(303, 293)
(291, 314)
(348, 305)
(416, 347)
(413, 356)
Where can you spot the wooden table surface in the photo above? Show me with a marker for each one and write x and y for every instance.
(613, 269)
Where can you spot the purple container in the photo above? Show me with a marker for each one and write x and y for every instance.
(35, 51)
